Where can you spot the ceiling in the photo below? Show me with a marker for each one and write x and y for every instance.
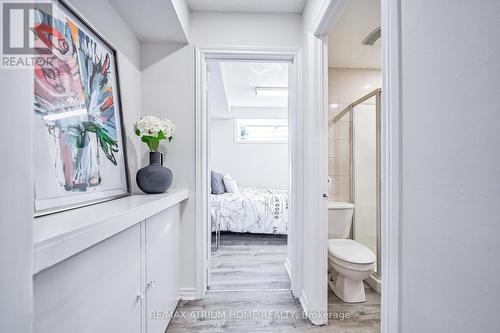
(152, 20)
(249, 6)
(241, 78)
(345, 48)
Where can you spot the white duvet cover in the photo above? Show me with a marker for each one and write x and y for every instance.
(254, 210)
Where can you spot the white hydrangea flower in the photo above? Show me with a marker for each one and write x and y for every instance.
(151, 126)
(168, 128)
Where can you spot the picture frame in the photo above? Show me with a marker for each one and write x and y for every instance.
(80, 146)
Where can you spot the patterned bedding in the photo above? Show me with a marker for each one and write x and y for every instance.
(254, 210)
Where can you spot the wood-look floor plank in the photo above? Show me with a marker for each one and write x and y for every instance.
(250, 261)
(267, 309)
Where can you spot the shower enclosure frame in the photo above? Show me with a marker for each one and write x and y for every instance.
(377, 93)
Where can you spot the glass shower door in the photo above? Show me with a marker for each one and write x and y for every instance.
(366, 174)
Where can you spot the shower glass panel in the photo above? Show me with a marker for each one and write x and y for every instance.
(366, 173)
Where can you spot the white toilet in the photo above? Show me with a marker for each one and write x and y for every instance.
(351, 261)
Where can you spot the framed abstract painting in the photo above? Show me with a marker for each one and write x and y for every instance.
(79, 148)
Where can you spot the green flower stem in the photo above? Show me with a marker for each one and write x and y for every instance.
(153, 142)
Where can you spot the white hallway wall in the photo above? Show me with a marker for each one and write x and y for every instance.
(16, 192)
(115, 30)
(450, 164)
(250, 164)
(450, 233)
(16, 201)
(168, 90)
(438, 128)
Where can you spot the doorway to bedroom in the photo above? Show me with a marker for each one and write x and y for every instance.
(247, 104)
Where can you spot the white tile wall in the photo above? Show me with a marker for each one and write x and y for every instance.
(345, 85)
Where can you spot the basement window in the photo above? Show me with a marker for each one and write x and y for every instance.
(261, 130)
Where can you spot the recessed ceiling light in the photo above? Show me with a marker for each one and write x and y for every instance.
(271, 91)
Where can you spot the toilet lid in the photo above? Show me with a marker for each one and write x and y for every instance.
(350, 251)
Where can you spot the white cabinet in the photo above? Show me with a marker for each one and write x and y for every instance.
(93, 291)
(162, 260)
(114, 285)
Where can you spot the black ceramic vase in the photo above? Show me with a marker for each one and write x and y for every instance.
(154, 178)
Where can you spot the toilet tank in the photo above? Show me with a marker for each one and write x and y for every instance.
(339, 219)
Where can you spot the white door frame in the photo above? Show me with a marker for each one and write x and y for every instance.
(293, 56)
(390, 140)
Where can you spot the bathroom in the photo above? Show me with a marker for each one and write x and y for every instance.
(354, 95)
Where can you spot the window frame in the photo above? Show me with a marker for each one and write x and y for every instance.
(238, 140)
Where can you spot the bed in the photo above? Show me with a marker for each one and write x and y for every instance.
(253, 210)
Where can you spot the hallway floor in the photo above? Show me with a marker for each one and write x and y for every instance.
(250, 293)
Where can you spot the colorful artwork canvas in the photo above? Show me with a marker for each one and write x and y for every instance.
(79, 148)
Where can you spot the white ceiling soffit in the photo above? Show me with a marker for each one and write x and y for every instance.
(241, 78)
(248, 6)
(154, 20)
(217, 92)
(345, 48)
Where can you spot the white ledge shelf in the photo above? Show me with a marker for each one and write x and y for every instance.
(62, 235)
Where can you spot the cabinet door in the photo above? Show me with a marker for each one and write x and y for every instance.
(94, 291)
(162, 268)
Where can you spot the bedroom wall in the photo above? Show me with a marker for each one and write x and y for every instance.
(250, 164)
(172, 77)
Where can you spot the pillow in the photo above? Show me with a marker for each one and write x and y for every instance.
(230, 184)
(217, 183)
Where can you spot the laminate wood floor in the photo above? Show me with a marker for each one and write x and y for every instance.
(250, 261)
(272, 309)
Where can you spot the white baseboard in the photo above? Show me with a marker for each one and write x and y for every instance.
(187, 294)
(306, 308)
(375, 283)
(303, 301)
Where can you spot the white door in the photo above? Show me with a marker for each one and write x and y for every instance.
(208, 145)
(314, 296)
(322, 230)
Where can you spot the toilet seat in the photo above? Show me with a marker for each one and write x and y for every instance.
(350, 251)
